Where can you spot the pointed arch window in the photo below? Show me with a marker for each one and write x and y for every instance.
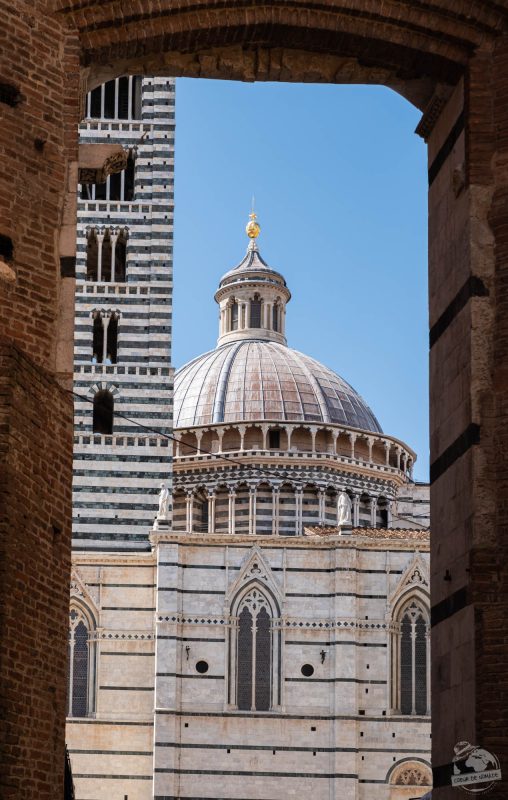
(411, 658)
(255, 683)
(81, 661)
(106, 255)
(105, 337)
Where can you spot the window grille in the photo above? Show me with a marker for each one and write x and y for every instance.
(420, 666)
(263, 661)
(244, 661)
(118, 187)
(81, 663)
(119, 98)
(255, 653)
(80, 673)
(406, 667)
(409, 654)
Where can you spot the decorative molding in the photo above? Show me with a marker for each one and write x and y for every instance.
(254, 568)
(284, 623)
(158, 538)
(416, 576)
(80, 590)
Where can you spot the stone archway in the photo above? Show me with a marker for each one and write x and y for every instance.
(446, 56)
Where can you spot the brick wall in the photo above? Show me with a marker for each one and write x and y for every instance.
(38, 139)
(35, 496)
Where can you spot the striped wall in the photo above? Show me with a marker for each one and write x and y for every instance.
(116, 477)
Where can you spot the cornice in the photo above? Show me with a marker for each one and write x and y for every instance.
(340, 541)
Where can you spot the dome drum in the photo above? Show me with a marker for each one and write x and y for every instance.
(235, 505)
(331, 442)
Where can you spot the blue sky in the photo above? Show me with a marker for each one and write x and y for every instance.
(339, 179)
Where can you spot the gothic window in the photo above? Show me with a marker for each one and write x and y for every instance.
(119, 98)
(112, 339)
(105, 337)
(98, 338)
(120, 259)
(106, 255)
(127, 193)
(255, 312)
(81, 662)
(92, 255)
(410, 659)
(255, 652)
(103, 412)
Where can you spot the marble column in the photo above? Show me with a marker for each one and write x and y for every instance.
(231, 510)
(211, 512)
(252, 509)
(275, 510)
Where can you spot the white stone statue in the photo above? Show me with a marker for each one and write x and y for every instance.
(164, 498)
(343, 509)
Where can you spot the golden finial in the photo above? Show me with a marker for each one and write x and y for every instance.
(253, 227)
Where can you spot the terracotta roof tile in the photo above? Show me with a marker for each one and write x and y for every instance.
(371, 533)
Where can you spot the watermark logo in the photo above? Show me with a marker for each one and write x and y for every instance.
(474, 769)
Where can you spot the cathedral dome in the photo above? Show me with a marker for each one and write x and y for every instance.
(259, 380)
(253, 374)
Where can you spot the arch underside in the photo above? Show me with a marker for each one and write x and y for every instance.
(411, 46)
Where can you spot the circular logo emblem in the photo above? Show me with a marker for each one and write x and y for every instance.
(475, 769)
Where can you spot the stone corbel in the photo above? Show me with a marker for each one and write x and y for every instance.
(97, 161)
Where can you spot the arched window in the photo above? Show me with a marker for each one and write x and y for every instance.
(254, 652)
(92, 255)
(103, 412)
(106, 255)
(98, 338)
(105, 337)
(234, 316)
(119, 271)
(81, 662)
(275, 317)
(255, 312)
(128, 185)
(410, 658)
(112, 339)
